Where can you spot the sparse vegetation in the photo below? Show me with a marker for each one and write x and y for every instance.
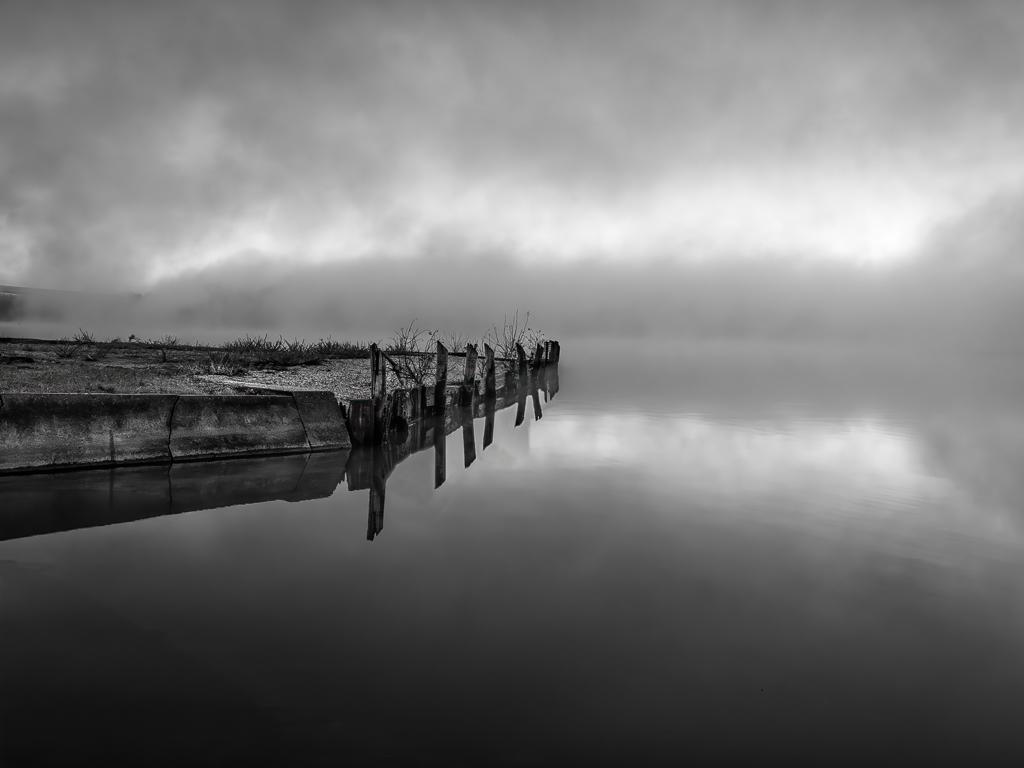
(411, 354)
(513, 331)
(65, 348)
(260, 351)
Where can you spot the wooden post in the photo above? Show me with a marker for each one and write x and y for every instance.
(374, 370)
(489, 384)
(556, 348)
(538, 356)
(547, 352)
(378, 389)
(362, 421)
(440, 378)
(521, 407)
(510, 385)
(421, 425)
(469, 377)
(537, 413)
(521, 360)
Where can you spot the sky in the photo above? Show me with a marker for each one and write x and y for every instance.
(201, 151)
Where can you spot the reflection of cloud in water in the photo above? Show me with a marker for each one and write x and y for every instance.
(832, 477)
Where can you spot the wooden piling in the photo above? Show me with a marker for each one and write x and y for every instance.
(489, 383)
(538, 356)
(362, 421)
(441, 378)
(469, 376)
(521, 364)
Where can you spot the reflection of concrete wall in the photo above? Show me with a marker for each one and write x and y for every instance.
(39, 504)
(40, 431)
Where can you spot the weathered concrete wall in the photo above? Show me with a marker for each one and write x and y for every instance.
(320, 412)
(46, 431)
(203, 426)
(66, 430)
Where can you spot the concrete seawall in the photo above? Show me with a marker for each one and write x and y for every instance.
(53, 431)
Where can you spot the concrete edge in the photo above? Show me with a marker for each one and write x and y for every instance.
(59, 431)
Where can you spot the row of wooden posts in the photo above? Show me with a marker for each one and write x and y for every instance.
(370, 420)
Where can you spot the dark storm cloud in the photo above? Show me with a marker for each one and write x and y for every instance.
(141, 137)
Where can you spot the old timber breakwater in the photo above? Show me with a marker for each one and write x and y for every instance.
(45, 432)
(388, 429)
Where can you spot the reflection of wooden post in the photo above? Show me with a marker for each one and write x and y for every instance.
(468, 444)
(547, 352)
(441, 378)
(489, 384)
(361, 421)
(440, 460)
(538, 356)
(375, 516)
(469, 377)
(489, 425)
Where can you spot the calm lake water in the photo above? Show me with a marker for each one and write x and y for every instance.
(709, 552)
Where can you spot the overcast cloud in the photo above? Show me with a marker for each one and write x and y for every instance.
(151, 147)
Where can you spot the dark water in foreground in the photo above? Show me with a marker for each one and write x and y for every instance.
(754, 555)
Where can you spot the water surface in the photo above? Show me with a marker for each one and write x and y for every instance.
(709, 552)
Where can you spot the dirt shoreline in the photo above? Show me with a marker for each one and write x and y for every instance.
(46, 366)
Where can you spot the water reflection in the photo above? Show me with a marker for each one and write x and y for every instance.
(629, 583)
